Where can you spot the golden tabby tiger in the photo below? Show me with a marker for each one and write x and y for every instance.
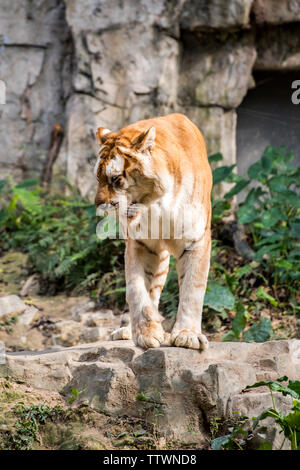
(156, 174)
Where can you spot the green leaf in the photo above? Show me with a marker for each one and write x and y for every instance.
(267, 159)
(267, 249)
(293, 419)
(219, 442)
(216, 157)
(259, 332)
(282, 263)
(280, 183)
(246, 214)
(295, 230)
(237, 189)
(243, 270)
(254, 170)
(291, 198)
(268, 239)
(2, 184)
(270, 218)
(276, 387)
(265, 446)
(218, 297)
(262, 294)
(270, 413)
(115, 291)
(221, 173)
(239, 321)
(27, 184)
(219, 208)
(30, 201)
(3, 217)
(295, 385)
(230, 336)
(91, 210)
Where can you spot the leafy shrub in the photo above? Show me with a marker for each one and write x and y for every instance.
(238, 438)
(28, 425)
(271, 211)
(289, 424)
(59, 234)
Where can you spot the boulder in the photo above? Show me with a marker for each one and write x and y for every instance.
(80, 309)
(30, 314)
(100, 318)
(67, 333)
(11, 305)
(276, 12)
(183, 391)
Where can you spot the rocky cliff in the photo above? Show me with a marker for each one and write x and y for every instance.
(110, 63)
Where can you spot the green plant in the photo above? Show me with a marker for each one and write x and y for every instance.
(59, 234)
(8, 323)
(271, 211)
(75, 395)
(236, 439)
(152, 408)
(28, 424)
(290, 423)
(274, 239)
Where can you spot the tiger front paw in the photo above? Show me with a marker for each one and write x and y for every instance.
(189, 339)
(149, 334)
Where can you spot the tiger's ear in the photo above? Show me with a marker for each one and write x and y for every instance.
(102, 135)
(146, 140)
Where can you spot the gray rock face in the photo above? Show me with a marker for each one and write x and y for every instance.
(188, 389)
(110, 63)
(216, 73)
(34, 57)
(219, 14)
(276, 12)
(279, 48)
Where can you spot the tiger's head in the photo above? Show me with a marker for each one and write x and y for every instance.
(126, 168)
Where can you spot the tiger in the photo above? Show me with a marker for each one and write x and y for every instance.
(160, 164)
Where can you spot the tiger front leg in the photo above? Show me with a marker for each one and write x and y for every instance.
(192, 266)
(140, 263)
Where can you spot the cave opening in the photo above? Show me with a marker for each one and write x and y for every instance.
(267, 116)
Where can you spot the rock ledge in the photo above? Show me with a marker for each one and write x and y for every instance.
(191, 389)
